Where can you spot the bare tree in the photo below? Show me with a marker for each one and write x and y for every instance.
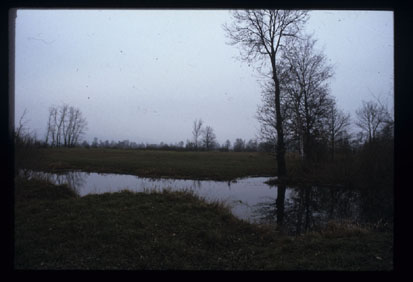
(251, 145)
(306, 74)
(239, 145)
(266, 115)
(75, 127)
(304, 95)
(196, 132)
(371, 117)
(338, 123)
(208, 138)
(61, 124)
(25, 144)
(227, 145)
(52, 127)
(65, 126)
(261, 34)
(20, 129)
(49, 127)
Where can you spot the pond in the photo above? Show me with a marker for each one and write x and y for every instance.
(298, 209)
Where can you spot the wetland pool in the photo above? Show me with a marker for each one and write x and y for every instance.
(298, 209)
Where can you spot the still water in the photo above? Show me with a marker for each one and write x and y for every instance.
(299, 209)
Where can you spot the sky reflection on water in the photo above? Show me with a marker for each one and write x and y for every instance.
(298, 209)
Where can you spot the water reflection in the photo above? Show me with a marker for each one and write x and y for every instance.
(73, 179)
(196, 183)
(280, 205)
(295, 210)
(310, 208)
(240, 195)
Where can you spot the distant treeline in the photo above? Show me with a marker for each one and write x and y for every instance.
(66, 126)
(239, 145)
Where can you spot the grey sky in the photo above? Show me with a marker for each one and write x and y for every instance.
(145, 75)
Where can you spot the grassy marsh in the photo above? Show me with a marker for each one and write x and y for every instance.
(55, 229)
(170, 164)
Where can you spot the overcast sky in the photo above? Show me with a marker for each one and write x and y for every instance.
(146, 75)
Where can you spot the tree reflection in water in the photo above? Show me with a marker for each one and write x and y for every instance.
(294, 210)
(308, 208)
(196, 184)
(73, 179)
(279, 204)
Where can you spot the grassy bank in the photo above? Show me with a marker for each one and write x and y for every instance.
(55, 229)
(184, 165)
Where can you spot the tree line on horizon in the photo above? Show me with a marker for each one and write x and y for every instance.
(66, 126)
(239, 145)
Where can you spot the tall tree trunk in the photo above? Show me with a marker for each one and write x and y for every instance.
(307, 146)
(333, 147)
(282, 170)
(301, 145)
